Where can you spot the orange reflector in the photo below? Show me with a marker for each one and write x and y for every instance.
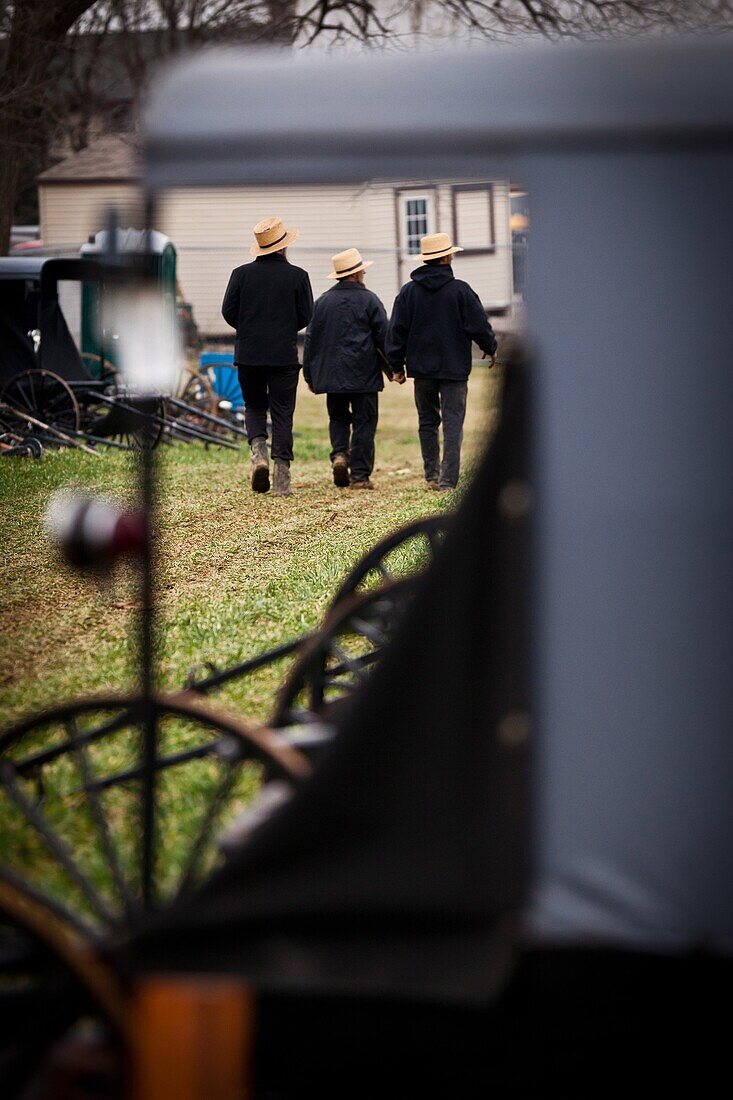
(192, 1039)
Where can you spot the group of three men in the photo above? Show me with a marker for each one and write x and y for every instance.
(349, 344)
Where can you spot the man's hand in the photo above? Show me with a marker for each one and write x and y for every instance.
(399, 378)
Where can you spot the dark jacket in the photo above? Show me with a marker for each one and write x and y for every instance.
(340, 356)
(268, 302)
(434, 320)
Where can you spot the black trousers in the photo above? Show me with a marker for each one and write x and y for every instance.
(272, 389)
(352, 425)
(436, 398)
(571, 1023)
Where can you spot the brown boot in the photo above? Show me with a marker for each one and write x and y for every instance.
(281, 480)
(340, 471)
(365, 483)
(260, 465)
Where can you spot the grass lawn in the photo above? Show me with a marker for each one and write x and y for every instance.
(238, 574)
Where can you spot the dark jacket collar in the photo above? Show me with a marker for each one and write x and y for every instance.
(272, 256)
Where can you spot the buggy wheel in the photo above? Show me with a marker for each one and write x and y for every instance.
(16, 446)
(338, 659)
(33, 446)
(45, 396)
(136, 422)
(195, 389)
(147, 436)
(194, 403)
(405, 552)
(50, 976)
(72, 784)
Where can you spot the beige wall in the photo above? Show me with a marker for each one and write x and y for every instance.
(211, 230)
(71, 212)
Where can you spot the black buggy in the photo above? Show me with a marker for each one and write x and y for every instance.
(55, 392)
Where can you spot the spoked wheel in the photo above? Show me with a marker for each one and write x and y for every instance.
(50, 976)
(337, 660)
(147, 434)
(20, 446)
(45, 396)
(74, 803)
(192, 410)
(196, 390)
(405, 552)
(135, 422)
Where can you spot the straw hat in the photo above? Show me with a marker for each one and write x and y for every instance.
(436, 245)
(271, 235)
(348, 263)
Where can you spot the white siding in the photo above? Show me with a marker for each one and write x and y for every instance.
(474, 217)
(490, 274)
(380, 233)
(71, 212)
(212, 231)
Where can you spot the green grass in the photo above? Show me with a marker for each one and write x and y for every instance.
(237, 574)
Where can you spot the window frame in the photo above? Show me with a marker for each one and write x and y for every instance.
(409, 194)
(488, 188)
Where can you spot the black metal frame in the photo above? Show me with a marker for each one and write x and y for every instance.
(326, 672)
(373, 563)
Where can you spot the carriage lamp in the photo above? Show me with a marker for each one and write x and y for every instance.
(92, 532)
(144, 322)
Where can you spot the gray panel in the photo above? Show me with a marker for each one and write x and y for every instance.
(237, 117)
(630, 304)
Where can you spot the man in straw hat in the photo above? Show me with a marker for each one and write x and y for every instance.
(268, 302)
(343, 346)
(434, 320)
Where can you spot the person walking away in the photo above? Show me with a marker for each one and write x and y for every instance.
(434, 320)
(341, 358)
(268, 302)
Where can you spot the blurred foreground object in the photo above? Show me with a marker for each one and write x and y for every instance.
(93, 532)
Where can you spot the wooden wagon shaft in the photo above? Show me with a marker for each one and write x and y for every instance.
(169, 426)
(104, 442)
(188, 434)
(20, 415)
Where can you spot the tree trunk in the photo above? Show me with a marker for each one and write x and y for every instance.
(36, 30)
